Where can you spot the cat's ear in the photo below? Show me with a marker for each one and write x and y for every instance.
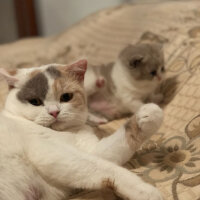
(8, 76)
(136, 60)
(79, 68)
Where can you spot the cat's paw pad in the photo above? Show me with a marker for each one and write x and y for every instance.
(149, 118)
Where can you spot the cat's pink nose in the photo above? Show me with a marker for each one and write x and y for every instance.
(54, 113)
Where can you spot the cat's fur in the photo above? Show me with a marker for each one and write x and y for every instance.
(122, 87)
(39, 163)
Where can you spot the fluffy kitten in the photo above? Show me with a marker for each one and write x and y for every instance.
(122, 87)
(39, 163)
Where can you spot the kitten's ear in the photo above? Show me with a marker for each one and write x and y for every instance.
(79, 68)
(11, 80)
(136, 60)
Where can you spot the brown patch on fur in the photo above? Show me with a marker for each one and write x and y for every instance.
(109, 190)
(100, 132)
(109, 184)
(67, 83)
(133, 134)
(12, 72)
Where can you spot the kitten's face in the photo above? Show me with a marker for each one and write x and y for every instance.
(144, 61)
(51, 95)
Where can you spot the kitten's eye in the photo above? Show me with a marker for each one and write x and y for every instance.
(163, 69)
(66, 97)
(35, 102)
(134, 62)
(154, 73)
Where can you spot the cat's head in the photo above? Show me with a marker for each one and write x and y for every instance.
(51, 95)
(144, 61)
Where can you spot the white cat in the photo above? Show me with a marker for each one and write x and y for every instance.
(39, 163)
(122, 87)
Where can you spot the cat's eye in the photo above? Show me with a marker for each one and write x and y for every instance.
(163, 69)
(154, 73)
(35, 102)
(66, 97)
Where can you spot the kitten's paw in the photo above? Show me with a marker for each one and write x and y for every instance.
(149, 118)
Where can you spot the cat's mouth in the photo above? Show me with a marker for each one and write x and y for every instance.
(58, 125)
(48, 123)
(55, 121)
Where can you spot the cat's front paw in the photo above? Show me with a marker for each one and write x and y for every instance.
(149, 118)
(142, 191)
(148, 192)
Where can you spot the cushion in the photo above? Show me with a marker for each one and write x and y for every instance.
(170, 160)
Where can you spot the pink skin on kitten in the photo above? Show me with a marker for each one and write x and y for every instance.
(33, 194)
(100, 82)
(103, 106)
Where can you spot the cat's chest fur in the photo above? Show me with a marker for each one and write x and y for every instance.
(127, 86)
(16, 137)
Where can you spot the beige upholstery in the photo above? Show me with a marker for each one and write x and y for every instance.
(171, 159)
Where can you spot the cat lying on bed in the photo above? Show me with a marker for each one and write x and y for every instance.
(122, 87)
(46, 149)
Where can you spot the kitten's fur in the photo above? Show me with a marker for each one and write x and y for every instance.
(39, 163)
(122, 87)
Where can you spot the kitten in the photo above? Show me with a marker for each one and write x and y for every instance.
(46, 148)
(122, 87)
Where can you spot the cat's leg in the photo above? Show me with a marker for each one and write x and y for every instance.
(95, 120)
(63, 166)
(92, 83)
(120, 146)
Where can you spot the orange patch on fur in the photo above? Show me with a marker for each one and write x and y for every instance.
(33, 73)
(109, 184)
(68, 84)
(133, 134)
(57, 88)
(12, 72)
